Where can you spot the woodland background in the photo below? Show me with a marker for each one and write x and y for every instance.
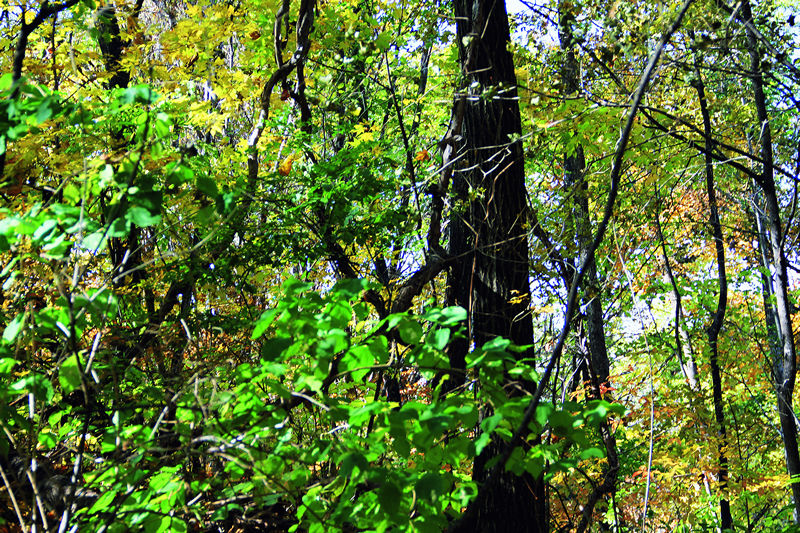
(377, 265)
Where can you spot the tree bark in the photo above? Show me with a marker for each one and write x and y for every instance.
(683, 342)
(786, 369)
(487, 230)
(726, 520)
(594, 337)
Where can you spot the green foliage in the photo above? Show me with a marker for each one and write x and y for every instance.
(228, 307)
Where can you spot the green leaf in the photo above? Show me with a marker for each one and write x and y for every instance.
(496, 344)
(293, 286)
(438, 338)
(430, 486)
(95, 241)
(207, 186)
(103, 502)
(410, 330)
(591, 453)
(13, 328)
(44, 112)
(400, 442)
(542, 415)
(141, 217)
(157, 524)
(358, 357)
(389, 496)
(139, 94)
(350, 289)
(69, 375)
(273, 349)
(264, 322)
(177, 174)
(561, 421)
(206, 214)
(37, 385)
(46, 440)
(449, 316)
(6, 365)
(383, 41)
(44, 230)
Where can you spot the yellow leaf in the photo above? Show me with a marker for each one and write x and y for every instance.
(286, 165)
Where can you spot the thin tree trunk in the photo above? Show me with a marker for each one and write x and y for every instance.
(759, 221)
(787, 370)
(726, 520)
(487, 229)
(683, 342)
(575, 181)
(126, 256)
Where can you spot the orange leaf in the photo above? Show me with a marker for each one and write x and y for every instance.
(422, 155)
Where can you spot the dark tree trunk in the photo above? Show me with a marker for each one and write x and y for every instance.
(487, 230)
(683, 343)
(726, 520)
(593, 339)
(125, 254)
(574, 174)
(111, 45)
(786, 369)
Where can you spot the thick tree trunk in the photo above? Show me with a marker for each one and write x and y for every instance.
(786, 370)
(487, 230)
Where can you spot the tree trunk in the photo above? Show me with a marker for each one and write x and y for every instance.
(487, 230)
(683, 342)
(594, 338)
(786, 370)
(726, 520)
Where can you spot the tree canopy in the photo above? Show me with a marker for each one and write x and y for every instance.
(377, 265)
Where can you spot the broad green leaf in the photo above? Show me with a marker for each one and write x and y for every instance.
(142, 217)
(13, 328)
(264, 322)
(69, 375)
(410, 330)
(390, 498)
(438, 338)
(207, 186)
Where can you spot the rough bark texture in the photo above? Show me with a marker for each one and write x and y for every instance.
(786, 370)
(487, 231)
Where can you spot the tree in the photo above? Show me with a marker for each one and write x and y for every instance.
(726, 520)
(488, 235)
(785, 369)
(592, 337)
